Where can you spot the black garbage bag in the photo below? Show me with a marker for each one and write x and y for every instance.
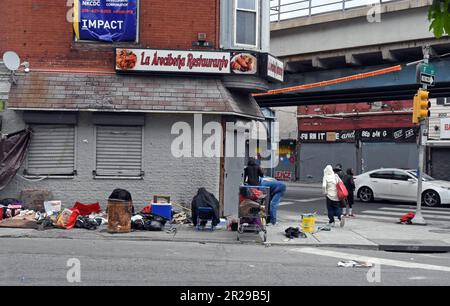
(86, 223)
(205, 199)
(120, 194)
(149, 222)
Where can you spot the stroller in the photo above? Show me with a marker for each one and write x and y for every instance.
(253, 208)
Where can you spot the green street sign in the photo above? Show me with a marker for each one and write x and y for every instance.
(427, 69)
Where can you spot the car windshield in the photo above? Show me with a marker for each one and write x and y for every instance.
(425, 176)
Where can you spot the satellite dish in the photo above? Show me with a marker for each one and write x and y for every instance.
(11, 60)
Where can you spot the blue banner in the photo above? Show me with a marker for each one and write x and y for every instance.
(106, 20)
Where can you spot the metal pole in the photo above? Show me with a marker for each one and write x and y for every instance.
(310, 8)
(418, 219)
(279, 10)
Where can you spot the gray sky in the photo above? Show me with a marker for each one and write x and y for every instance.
(301, 8)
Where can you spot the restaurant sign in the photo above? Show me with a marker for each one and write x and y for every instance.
(273, 67)
(175, 61)
(198, 62)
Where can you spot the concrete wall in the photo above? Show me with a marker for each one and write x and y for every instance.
(395, 27)
(287, 119)
(164, 174)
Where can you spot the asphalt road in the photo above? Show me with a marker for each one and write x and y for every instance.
(45, 262)
(300, 199)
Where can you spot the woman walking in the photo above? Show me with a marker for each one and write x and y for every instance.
(330, 179)
(350, 185)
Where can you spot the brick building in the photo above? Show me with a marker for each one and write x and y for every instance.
(362, 136)
(98, 125)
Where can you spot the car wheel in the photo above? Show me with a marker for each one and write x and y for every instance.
(365, 194)
(431, 198)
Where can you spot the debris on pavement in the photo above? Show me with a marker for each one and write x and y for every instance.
(294, 232)
(354, 264)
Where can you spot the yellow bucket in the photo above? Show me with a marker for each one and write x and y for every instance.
(308, 223)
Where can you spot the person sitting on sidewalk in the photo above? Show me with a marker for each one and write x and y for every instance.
(330, 179)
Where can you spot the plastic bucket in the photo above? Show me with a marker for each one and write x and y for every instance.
(308, 223)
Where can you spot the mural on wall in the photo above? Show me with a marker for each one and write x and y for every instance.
(285, 171)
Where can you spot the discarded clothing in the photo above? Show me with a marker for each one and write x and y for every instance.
(205, 199)
(147, 222)
(87, 209)
(294, 232)
(87, 223)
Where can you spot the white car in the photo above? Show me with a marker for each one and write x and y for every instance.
(400, 185)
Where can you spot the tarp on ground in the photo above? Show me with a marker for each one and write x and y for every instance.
(13, 150)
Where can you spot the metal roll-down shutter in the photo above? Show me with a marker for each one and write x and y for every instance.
(52, 150)
(119, 151)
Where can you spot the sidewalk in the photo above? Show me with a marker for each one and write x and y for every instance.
(366, 234)
(361, 234)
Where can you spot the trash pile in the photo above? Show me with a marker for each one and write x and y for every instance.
(119, 216)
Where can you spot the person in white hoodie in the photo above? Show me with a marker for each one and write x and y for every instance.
(330, 179)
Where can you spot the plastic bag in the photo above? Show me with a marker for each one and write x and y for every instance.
(67, 218)
(342, 191)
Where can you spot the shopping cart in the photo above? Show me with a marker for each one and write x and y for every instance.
(253, 208)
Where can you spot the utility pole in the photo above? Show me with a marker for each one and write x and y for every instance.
(419, 219)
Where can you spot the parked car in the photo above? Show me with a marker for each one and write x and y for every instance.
(401, 185)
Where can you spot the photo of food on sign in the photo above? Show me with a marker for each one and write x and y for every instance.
(244, 63)
(125, 59)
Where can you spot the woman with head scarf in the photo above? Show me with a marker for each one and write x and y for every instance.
(330, 179)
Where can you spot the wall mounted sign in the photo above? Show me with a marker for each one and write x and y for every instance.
(275, 68)
(105, 20)
(365, 135)
(172, 61)
(445, 128)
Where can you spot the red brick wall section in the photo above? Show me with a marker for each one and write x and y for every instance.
(386, 120)
(39, 32)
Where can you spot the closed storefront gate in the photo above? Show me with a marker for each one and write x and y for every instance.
(314, 157)
(440, 163)
(388, 155)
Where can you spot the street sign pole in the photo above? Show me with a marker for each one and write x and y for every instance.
(418, 218)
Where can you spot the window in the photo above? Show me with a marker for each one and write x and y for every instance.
(247, 22)
(400, 176)
(51, 151)
(386, 175)
(446, 101)
(119, 151)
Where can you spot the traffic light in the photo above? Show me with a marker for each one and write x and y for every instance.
(421, 106)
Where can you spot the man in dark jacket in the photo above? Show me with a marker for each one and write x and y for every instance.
(350, 185)
(338, 170)
(253, 173)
